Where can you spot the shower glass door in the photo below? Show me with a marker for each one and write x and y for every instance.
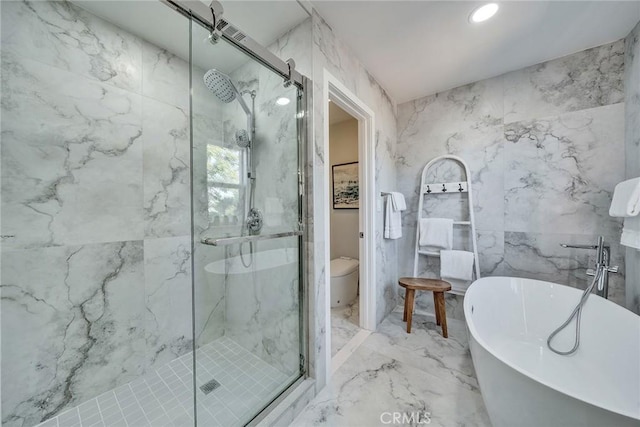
(246, 213)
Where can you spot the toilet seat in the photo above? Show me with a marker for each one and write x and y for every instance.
(343, 266)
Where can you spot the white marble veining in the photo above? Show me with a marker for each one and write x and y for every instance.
(472, 106)
(60, 34)
(167, 276)
(560, 172)
(165, 76)
(91, 167)
(540, 256)
(166, 169)
(545, 149)
(332, 54)
(588, 79)
(80, 167)
(393, 371)
(91, 300)
(345, 324)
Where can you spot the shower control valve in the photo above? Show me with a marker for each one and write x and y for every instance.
(254, 221)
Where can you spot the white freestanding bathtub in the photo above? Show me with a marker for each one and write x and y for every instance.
(523, 383)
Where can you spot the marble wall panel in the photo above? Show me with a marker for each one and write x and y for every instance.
(165, 76)
(632, 152)
(560, 172)
(60, 34)
(72, 152)
(73, 326)
(167, 286)
(540, 256)
(94, 170)
(166, 169)
(588, 79)
(208, 294)
(545, 147)
(473, 106)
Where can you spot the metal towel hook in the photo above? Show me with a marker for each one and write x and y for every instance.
(444, 188)
(428, 189)
(460, 187)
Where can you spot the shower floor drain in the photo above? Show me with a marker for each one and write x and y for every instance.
(209, 386)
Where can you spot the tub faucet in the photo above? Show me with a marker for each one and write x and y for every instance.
(603, 256)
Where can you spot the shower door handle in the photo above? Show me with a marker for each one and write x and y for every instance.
(223, 241)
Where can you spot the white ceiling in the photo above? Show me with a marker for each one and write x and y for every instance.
(264, 21)
(417, 48)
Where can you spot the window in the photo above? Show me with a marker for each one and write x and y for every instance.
(224, 182)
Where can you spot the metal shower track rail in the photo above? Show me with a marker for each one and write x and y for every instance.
(201, 14)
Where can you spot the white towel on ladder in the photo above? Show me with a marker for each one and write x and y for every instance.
(393, 217)
(436, 233)
(456, 265)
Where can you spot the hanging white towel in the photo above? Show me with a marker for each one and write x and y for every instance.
(392, 221)
(397, 200)
(626, 204)
(436, 233)
(631, 233)
(456, 265)
(626, 199)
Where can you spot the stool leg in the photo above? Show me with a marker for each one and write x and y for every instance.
(443, 315)
(406, 303)
(435, 308)
(410, 294)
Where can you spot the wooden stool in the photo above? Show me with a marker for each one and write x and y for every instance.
(438, 287)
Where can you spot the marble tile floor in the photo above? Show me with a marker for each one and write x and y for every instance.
(345, 324)
(165, 397)
(393, 371)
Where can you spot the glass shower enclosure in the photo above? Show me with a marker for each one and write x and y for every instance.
(247, 215)
(151, 211)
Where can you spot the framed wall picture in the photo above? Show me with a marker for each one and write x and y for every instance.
(346, 193)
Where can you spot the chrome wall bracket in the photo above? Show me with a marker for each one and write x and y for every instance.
(292, 66)
(216, 15)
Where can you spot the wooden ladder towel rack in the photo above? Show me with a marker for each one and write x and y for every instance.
(444, 189)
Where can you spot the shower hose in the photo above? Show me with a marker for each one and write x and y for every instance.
(577, 312)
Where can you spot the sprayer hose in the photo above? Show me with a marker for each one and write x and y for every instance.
(577, 312)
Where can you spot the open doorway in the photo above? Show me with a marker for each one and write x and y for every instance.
(344, 219)
(350, 161)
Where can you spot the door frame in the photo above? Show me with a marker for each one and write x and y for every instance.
(334, 90)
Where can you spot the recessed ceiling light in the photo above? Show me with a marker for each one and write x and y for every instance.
(283, 101)
(483, 13)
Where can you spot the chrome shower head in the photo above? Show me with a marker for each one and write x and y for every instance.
(221, 86)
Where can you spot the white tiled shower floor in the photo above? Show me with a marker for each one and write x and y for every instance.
(164, 397)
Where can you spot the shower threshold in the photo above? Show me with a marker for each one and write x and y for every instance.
(165, 397)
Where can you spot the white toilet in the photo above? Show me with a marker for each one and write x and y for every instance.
(344, 281)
